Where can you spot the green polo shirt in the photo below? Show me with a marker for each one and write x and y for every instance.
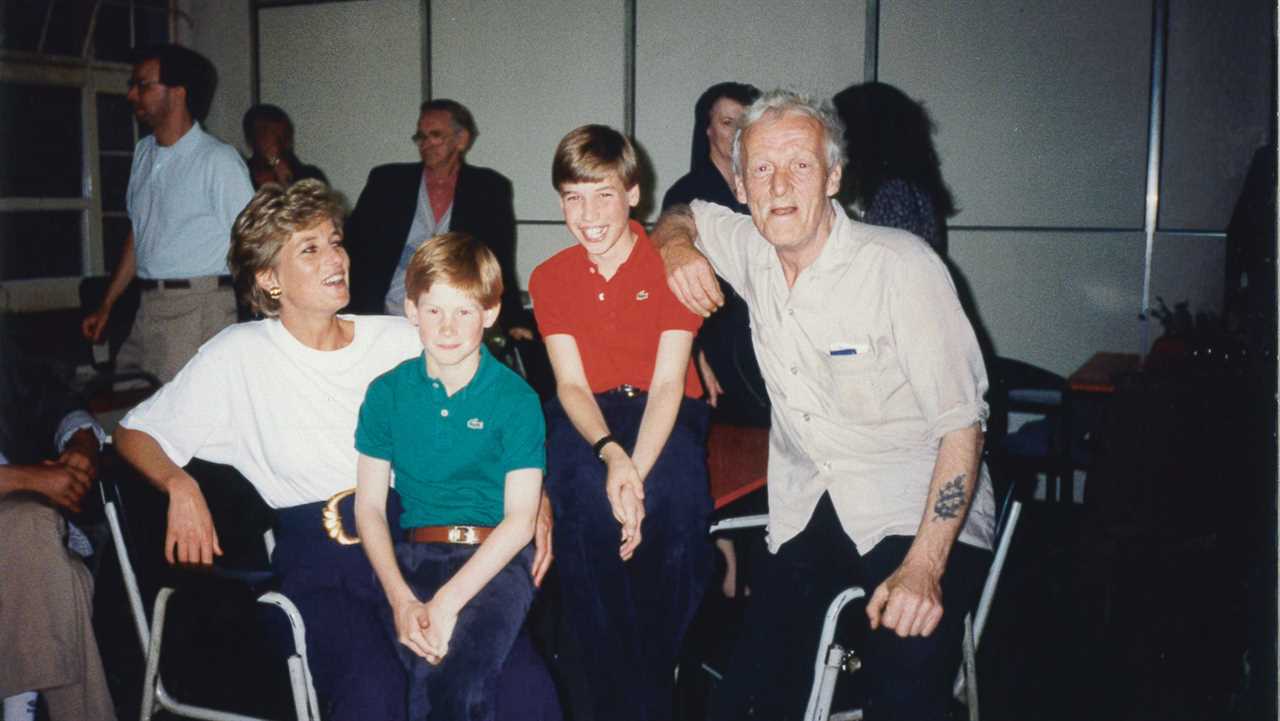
(451, 454)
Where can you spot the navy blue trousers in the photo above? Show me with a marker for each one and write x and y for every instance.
(906, 679)
(357, 671)
(464, 686)
(629, 617)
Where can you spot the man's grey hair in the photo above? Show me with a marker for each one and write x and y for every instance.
(776, 103)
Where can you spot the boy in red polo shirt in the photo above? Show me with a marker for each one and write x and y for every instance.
(626, 461)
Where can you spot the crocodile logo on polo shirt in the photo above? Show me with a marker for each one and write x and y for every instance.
(642, 295)
(475, 424)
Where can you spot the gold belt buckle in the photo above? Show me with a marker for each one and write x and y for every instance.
(465, 535)
(331, 518)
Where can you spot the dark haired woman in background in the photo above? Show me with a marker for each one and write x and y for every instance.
(269, 133)
(893, 177)
(725, 357)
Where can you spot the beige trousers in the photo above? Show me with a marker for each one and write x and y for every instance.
(173, 323)
(46, 602)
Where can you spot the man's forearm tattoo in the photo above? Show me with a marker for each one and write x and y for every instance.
(950, 502)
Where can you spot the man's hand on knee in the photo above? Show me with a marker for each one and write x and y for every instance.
(909, 601)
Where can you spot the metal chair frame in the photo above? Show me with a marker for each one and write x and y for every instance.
(831, 657)
(155, 697)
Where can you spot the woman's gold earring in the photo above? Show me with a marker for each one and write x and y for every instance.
(275, 292)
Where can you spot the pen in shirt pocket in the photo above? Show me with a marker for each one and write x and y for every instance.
(844, 349)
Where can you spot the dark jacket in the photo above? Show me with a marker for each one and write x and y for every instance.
(379, 225)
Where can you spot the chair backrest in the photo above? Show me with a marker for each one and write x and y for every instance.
(136, 514)
(1018, 386)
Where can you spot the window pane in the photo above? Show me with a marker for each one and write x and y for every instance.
(68, 29)
(111, 35)
(39, 141)
(114, 232)
(20, 22)
(151, 24)
(40, 245)
(115, 181)
(115, 122)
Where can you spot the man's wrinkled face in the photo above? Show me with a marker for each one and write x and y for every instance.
(785, 180)
(441, 144)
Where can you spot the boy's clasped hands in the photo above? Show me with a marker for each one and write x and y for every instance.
(425, 627)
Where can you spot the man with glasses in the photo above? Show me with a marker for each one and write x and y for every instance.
(186, 188)
(404, 204)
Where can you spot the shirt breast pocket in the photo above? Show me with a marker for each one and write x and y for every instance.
(855, 377)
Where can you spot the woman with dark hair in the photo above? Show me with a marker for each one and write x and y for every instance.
(893, 177)
(725, 357)
(269, 133)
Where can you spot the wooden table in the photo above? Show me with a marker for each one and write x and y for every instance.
(1098, 373)
(737, 460)
(1096, 378)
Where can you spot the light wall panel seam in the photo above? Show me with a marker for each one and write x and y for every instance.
(871, 53)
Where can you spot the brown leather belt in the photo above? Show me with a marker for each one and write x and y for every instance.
(462, 535)
(224, 281)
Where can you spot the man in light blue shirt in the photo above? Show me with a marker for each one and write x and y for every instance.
(185, 190)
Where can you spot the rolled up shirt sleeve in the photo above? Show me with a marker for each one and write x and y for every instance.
(724, 237)
(937, 347)
(74, 421)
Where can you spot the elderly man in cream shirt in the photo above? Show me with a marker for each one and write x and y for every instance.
(877, 385)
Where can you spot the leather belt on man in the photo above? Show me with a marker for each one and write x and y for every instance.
(461, 535)
(224, 281)
(626, 391)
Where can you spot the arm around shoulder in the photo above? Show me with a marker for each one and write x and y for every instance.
(689, 274)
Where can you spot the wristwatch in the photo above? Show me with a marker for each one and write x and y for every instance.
(598, 448)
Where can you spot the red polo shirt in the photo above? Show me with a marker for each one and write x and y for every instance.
(617, 322)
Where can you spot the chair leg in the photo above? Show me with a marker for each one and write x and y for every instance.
(304, 693)
(150, 677)
(829, 658)
(970, 668)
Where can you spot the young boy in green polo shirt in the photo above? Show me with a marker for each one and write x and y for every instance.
(464, 435)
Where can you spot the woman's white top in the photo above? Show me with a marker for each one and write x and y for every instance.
(281, 413)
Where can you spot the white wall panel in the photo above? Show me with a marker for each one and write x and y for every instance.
(221, 32)
(536, 243)
(1041, 107)
(683, 48)
(1053, 299)
(1217, 107)
(350, 76)
(530, 72)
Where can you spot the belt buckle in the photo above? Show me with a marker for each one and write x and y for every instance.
(331, 519)
(465, 535)
(628, 390)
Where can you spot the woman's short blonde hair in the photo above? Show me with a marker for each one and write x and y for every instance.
(273, 215)
(461, 261)
(589, 154)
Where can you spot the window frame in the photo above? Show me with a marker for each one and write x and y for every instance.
(92, 78)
